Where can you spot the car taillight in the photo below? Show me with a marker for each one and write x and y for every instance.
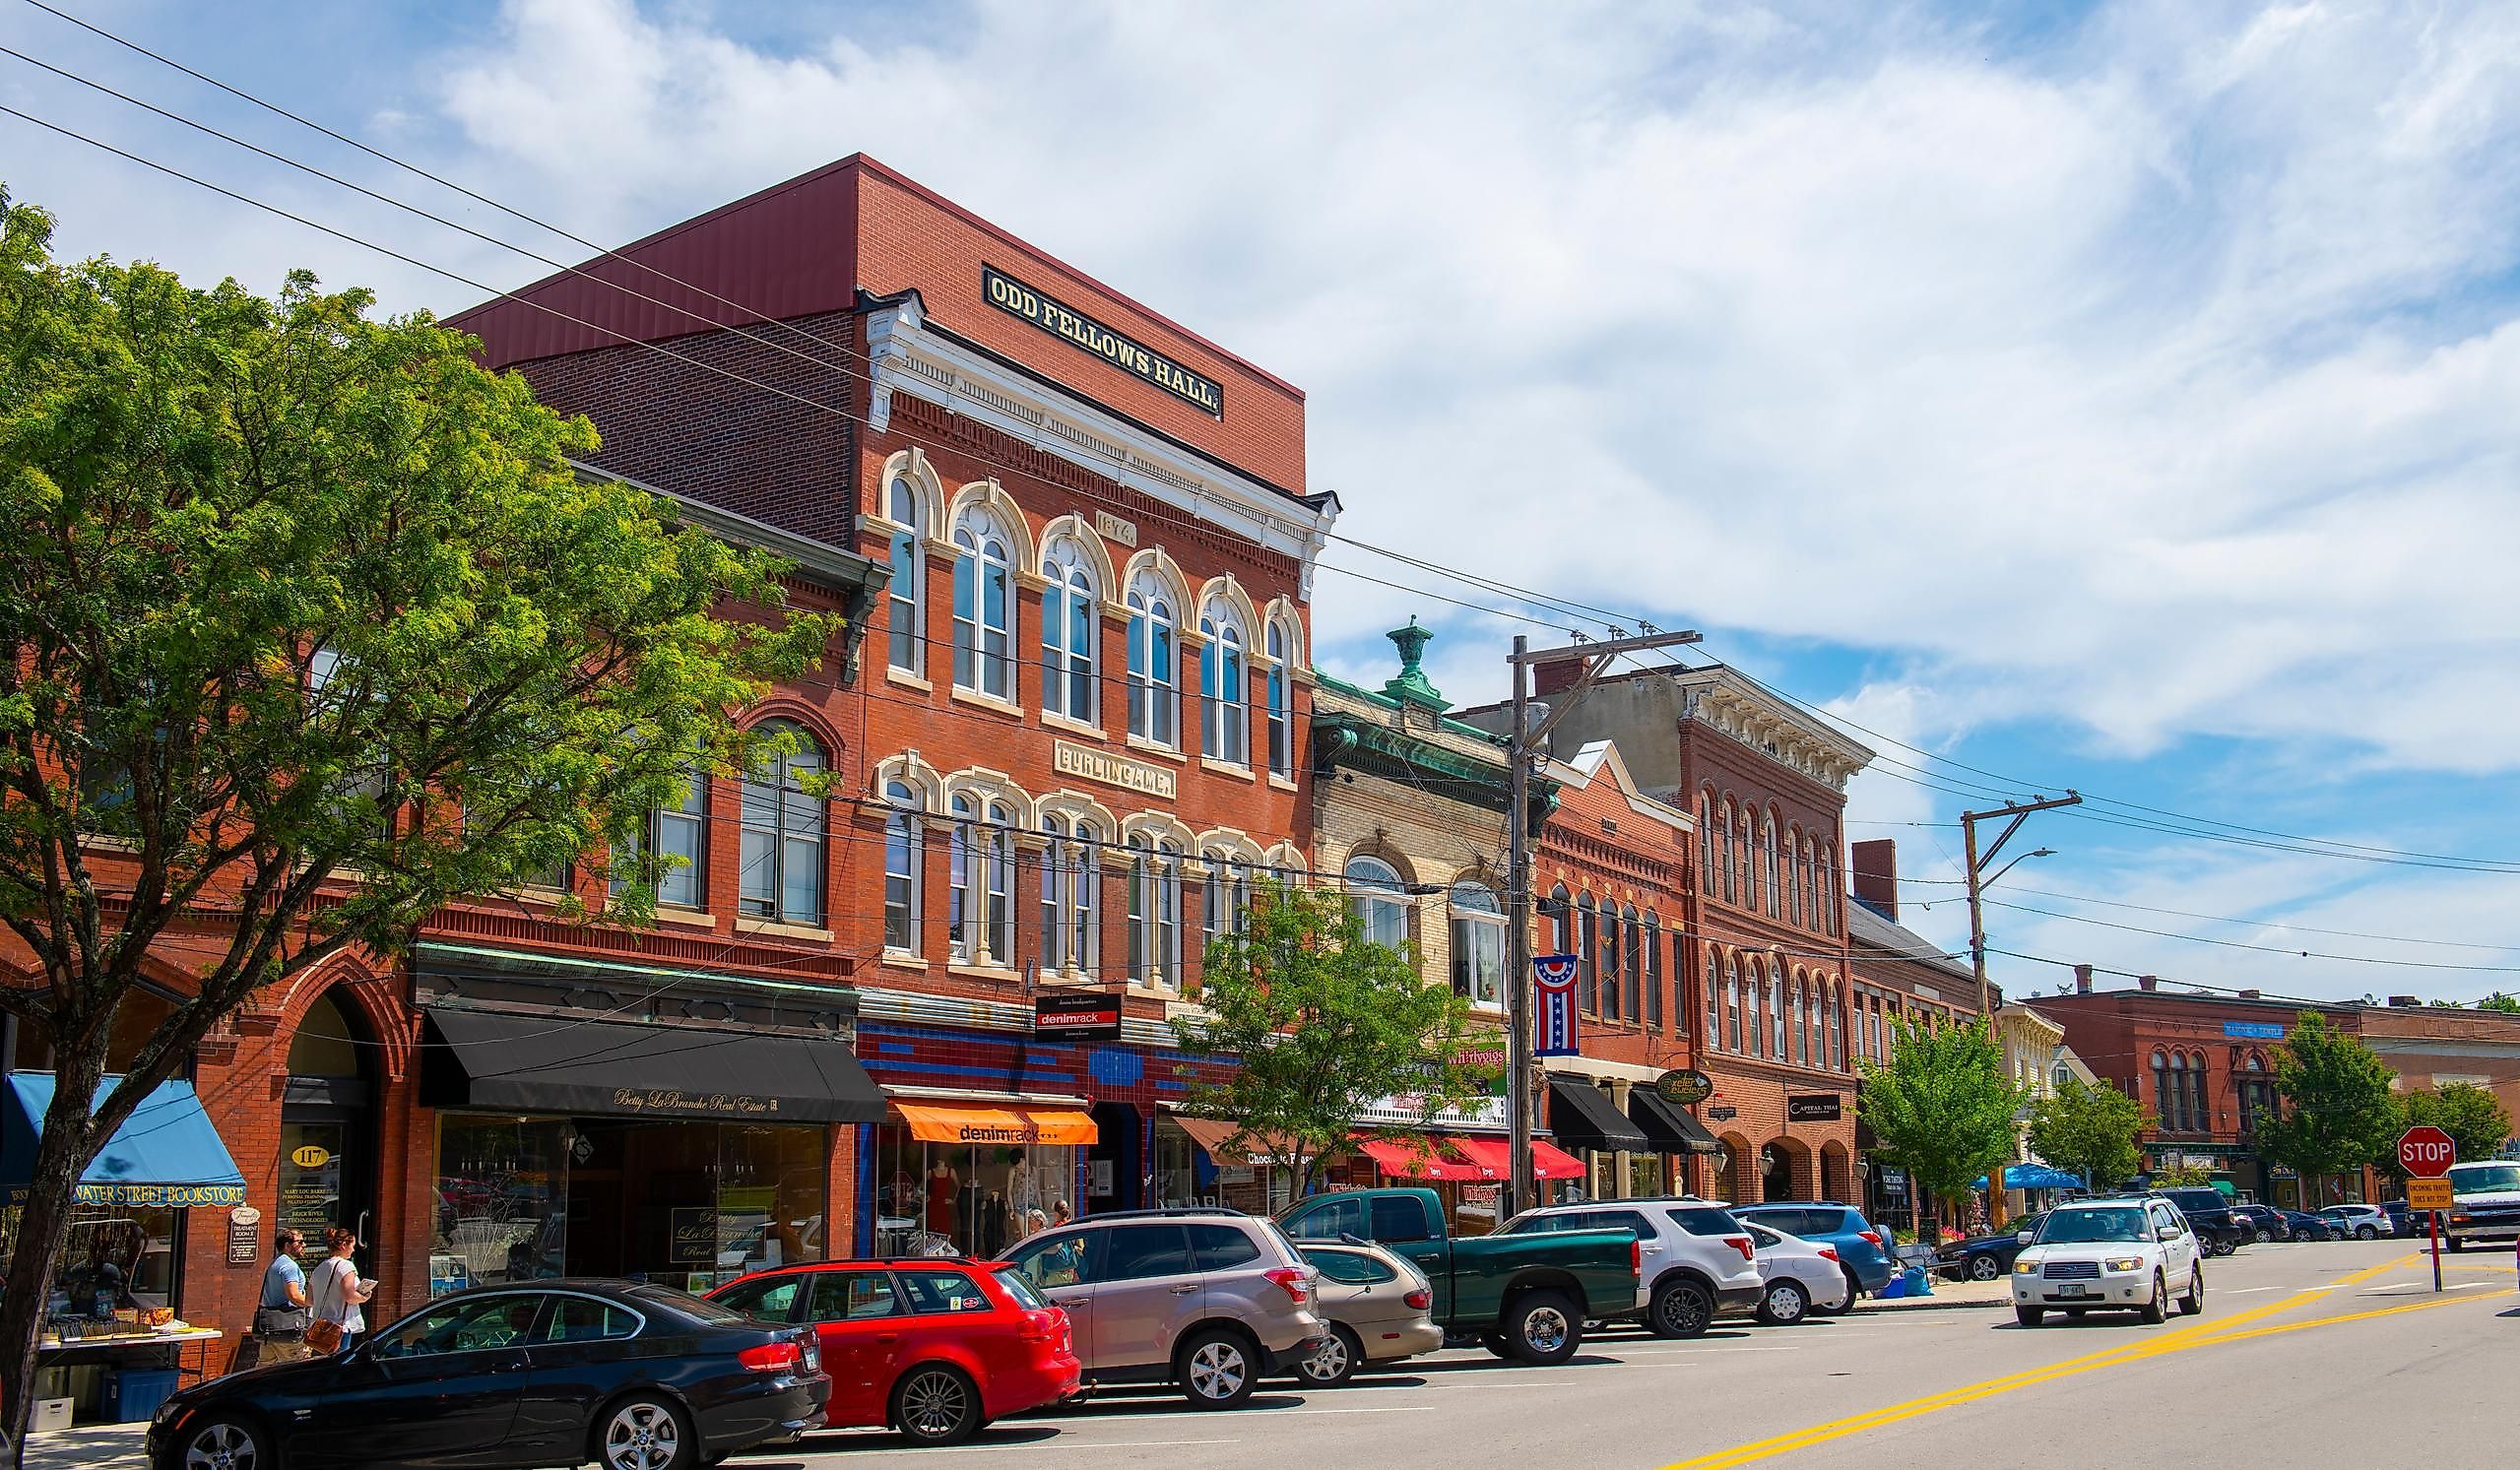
(1872, 1237)
(1298, 1282)
(1635, 1257)
(1420, 1300)
(1742, 1244)
(772, 1357)
(1040, 1326)
(1829, 1252)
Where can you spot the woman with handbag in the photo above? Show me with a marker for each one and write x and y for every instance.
(335, 1294)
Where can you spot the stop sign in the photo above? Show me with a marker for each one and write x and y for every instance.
(2426, 1152)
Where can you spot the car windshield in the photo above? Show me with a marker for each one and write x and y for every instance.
(2073, 1227)
(2482, 1179)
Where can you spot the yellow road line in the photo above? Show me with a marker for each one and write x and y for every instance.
(2355, 1316)
(2194, 1335)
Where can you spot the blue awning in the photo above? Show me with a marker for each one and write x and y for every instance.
(165, 1154)
(2038, 1177)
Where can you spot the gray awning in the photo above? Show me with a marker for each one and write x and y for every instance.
(557, 1064)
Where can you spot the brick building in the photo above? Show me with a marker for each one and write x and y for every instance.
(527, 1094)
(1899, 975)
(1767, 971)
(1085, 690)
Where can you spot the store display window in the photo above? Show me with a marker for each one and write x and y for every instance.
(967, 1200)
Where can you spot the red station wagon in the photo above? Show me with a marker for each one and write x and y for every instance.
(934, 1348)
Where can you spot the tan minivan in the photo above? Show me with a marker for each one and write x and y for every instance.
(1208, 1300)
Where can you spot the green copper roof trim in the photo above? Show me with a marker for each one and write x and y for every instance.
(1411, 686)
(1381, 700)
(1361, 743)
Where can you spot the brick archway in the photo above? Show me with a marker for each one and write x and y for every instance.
(1736, 1170)
(1837, 1180)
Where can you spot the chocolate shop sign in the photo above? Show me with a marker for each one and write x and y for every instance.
(1016, 298)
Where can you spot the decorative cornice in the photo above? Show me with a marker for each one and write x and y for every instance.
(1734, 705)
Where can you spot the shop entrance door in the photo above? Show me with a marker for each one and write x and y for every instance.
(328, 1129)
(1112, 1166)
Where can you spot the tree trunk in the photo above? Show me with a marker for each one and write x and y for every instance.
(42, 1227)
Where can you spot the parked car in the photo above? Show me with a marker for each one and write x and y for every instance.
(2306, 1227)
(1795, 1276)
(1525, 1296)
(2363, 1222)
(2110, 1256)
(557, 1373)
(1861, 1249)
(2484, 1202)
(1987, 1257)
(1210, 1301)
(1380, 1308)
(933, 1348)
(2263, 1222)
(1697, 1261)
(2404, 1220)
(2208, 1212)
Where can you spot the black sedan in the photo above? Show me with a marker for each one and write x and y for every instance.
(2264, 1223)
(551, 1372)
(2309, 1226)
(1987, 1257)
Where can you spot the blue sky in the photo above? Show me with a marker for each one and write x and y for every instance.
(2114, 396)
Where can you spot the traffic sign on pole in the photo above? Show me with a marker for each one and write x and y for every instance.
(2426, 1153)
(2427, 1194)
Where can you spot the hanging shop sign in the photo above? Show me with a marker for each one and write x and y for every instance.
(1684, 1087)
(1722, 1113)
(1089, 1017)
(1822, 1107)
(1018, 299)
(1553, 982)
(1143, 777)
(245, 1235)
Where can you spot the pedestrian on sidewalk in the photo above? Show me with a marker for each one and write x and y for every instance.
(334, 1297)
(281, 1316)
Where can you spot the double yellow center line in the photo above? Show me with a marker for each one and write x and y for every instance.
(2196, 1334)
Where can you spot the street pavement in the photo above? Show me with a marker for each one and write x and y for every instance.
(2314, 1354)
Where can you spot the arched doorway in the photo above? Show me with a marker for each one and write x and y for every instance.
(1834, 1183)
(1734, 1178)
(328, 1122)
(1777, 1172)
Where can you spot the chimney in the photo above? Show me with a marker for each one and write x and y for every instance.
(2148, 981)
(2405, 1002)
(2082, 980)
(1875, 870)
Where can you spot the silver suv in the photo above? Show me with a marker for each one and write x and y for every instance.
(1209, 1301)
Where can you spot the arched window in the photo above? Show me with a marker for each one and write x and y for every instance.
(783, 833)
(1651, 982)
(1811, 884)
(2163, 1108)
(1711, 981)
(1226, 906)
(2255, 1097)
(1071, 630)
(1281, 715)
(1632, 963)
(981, 906)
(1801, 1009)
(1725, 863)
(1154, 911)
(1880, 1043)
(1732, 1002)
(1793, 873)
(1707, 840)
(673, 847)
(1070, 878)
(1224, 714)
(1154, 695)
(984, 605)
(1829, 894)
(1376, 894)
(903, 843)
(908, 586)
(1753, 1019)
(2200, 1107)
(1559, 909)
(1770, 898)
(1776, 1013)
(1836, 1056)
(1168, 909)
(1741, 859)
(1587, 957)
(1478, 945)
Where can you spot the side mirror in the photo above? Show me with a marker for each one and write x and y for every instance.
(2165, 1232)
(2026, 1238)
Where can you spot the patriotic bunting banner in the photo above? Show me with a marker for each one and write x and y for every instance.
(1553, 982)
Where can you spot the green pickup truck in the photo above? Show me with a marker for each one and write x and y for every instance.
(1524, 1297)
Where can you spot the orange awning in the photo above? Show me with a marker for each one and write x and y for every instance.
(1003, 1122)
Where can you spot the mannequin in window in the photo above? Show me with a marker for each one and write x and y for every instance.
(943, 1190)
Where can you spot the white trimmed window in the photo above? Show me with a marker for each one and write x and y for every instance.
(1224, 716)
(1478, 946)
(904, 842)
(783, 836)
(1281, 722)
(1070, 625)
(1376, 894)
(984, 605)
(909, 652)
(1154, 691)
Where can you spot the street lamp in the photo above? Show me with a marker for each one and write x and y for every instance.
(1998, 875)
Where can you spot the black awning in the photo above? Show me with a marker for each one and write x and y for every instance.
(1672, 1128)
(1583, 1116)
(557, 1064)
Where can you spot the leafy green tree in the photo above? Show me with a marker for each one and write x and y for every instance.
(2334, 1110)
(309, 628)
(2508, 1004)
(1320, 1023)
(2469, 1114)
(1941, 1107)
(2090, 1130)
(2182, 1176)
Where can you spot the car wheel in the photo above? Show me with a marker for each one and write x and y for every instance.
(2193, 1303)
(2227, 1247)
(1544, 1328)
(1334, 1364)
(1783, 1304)
(2366, 1232)
(2455, 1243)
(644, 1432)
(1217, 1370)
(1496, 1343)
(2265, 1235)
(2157, 1308)
(934, 1404)
(2030, 1316)
(1681, 1308)
(224, 1442)
(1984, 1268)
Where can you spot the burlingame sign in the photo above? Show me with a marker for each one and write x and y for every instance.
(1016, 298)
(1143, 777)
(1092, 1017)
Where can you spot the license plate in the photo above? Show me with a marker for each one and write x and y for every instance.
(2073, 1291)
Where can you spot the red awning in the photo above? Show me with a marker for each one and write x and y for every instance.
(1550, 1162)
(1420, 1161)
(1495, 1158)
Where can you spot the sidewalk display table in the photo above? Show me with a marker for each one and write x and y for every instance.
(185, 1352)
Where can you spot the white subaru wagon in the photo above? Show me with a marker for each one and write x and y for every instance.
(2134, 1254)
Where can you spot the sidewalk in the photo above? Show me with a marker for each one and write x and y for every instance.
(90, 1446)
(1948, 1296)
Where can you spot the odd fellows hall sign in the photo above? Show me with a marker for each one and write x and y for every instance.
(1016, 298)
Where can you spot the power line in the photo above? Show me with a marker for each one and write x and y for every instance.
(2085, 898)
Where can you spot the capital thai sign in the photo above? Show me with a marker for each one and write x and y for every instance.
(1823, 1107)
(1136, 359)
(1143, 777)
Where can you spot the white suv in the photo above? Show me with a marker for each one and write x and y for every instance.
(2110, 1255)
(1697, 1260)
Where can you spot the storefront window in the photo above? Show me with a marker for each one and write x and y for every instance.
(119, 1261)
(1645, 1176)
(970, 1199)
(1176, 1175)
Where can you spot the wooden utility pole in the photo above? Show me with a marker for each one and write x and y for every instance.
(1976, 862)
